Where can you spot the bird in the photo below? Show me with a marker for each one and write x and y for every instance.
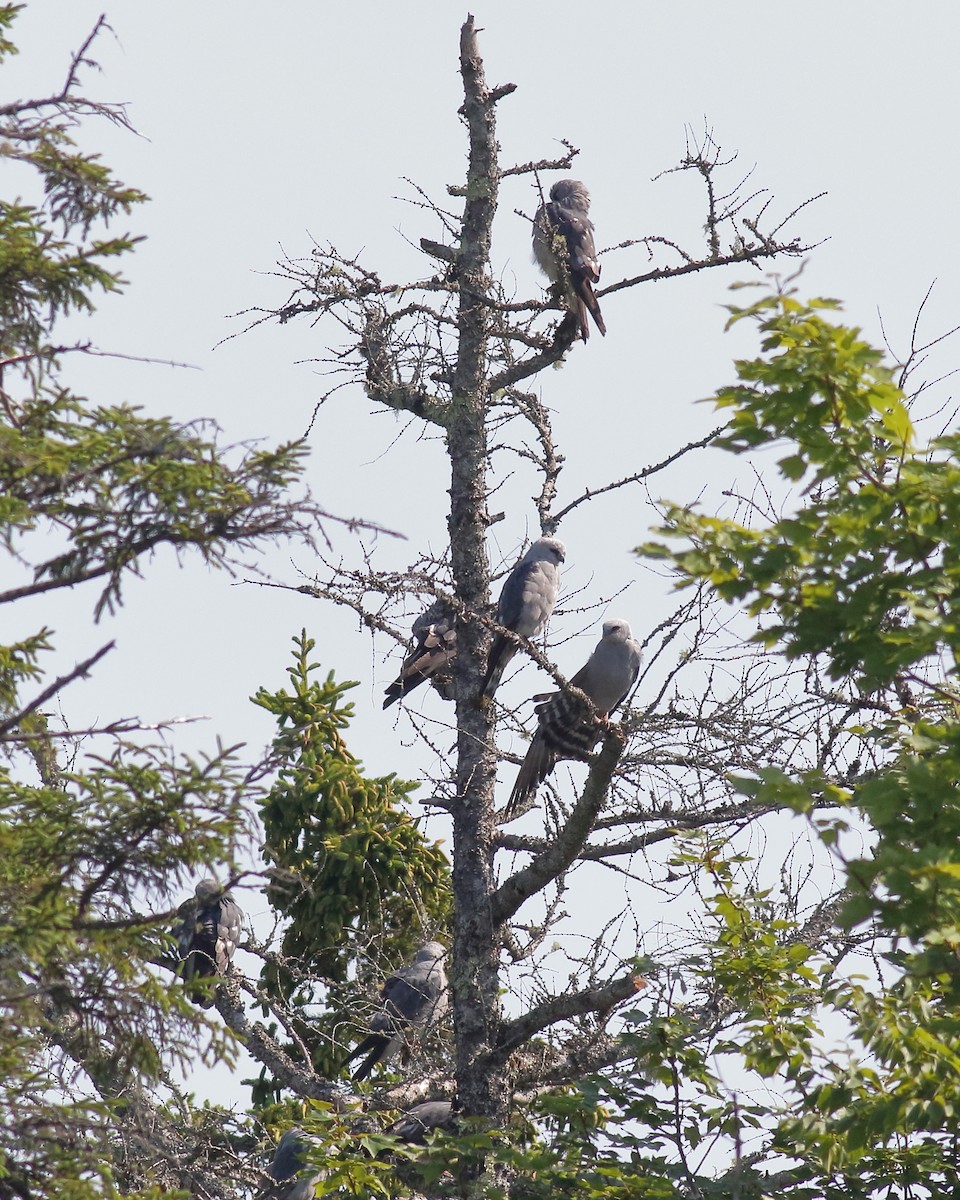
(207, 936)
(412, 998)
(526, 603)
(434, 649)
(288, 1161)
(569, 726)
(425, 1118)
(564, 249)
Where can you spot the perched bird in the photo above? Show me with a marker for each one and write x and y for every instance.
(207, 936)
(412, 998)
(288, 1161)
(434, 649)
(564, 249)
(568, 726)
(425, 1118)
(525, 605)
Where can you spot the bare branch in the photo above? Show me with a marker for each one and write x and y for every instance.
(561, 1008)
(561, 853)
(80, 671)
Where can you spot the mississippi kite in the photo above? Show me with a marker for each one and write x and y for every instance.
(564, 249)
(569, 727)
(207, 936)
(526, 603)
(434, 649)
(288, 1161)
(425, 1118)
(412, 998)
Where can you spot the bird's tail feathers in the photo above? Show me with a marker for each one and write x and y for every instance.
(400, 687)
(500, 654)
(539, 762)
(375, 1046)
(589, 301)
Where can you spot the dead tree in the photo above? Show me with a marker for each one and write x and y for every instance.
(456, 354)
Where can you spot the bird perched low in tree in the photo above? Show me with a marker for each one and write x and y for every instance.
(568, 725)
(412, 998)
(526, 603)
(288, 1162)
(564, 249)
(434, 649)
(207, 937)
(425, 1118)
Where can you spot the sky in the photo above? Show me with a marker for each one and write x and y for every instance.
(263, 128)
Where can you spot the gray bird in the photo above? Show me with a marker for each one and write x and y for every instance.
(288, 1161)
(564, 249)
(525, 606)
(207, 937)
(425, 1118)
(434, 649)
(412, 998)
(569, 727)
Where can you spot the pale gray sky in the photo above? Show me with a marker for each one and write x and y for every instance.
(264, 127)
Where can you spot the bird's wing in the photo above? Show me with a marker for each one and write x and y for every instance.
(433, 651)
(576, 229)
(288, 1157)
(415, 991)
(569, 725)
(526, 603)
(422, 1119)
(563, 245)
(609, 673)
(229, 924)
(185, 929)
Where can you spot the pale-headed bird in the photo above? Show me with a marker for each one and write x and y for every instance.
(526, 603)
(568, 726)
(411, 998)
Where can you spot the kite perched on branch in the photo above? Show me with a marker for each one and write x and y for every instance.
(564, 248)
(287, 1169)
(412, 998)
(424, 1118)
(207, 937)
(434, 649)
(569, 724)
(525, 606)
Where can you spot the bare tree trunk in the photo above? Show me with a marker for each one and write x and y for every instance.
(475, 983)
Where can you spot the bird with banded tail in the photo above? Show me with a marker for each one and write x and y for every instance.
(207, 937)
(569, 726)
(427, 1117)
(433, 650)
(411, 998)
(527, 600)
(564, 249)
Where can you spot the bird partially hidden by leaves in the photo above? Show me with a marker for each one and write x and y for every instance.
(207, 937)
(430, 1116)
(292, 1181)
(433, 649)
(570, 725)
(411, 998)
(526, 603)
(564, 248)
